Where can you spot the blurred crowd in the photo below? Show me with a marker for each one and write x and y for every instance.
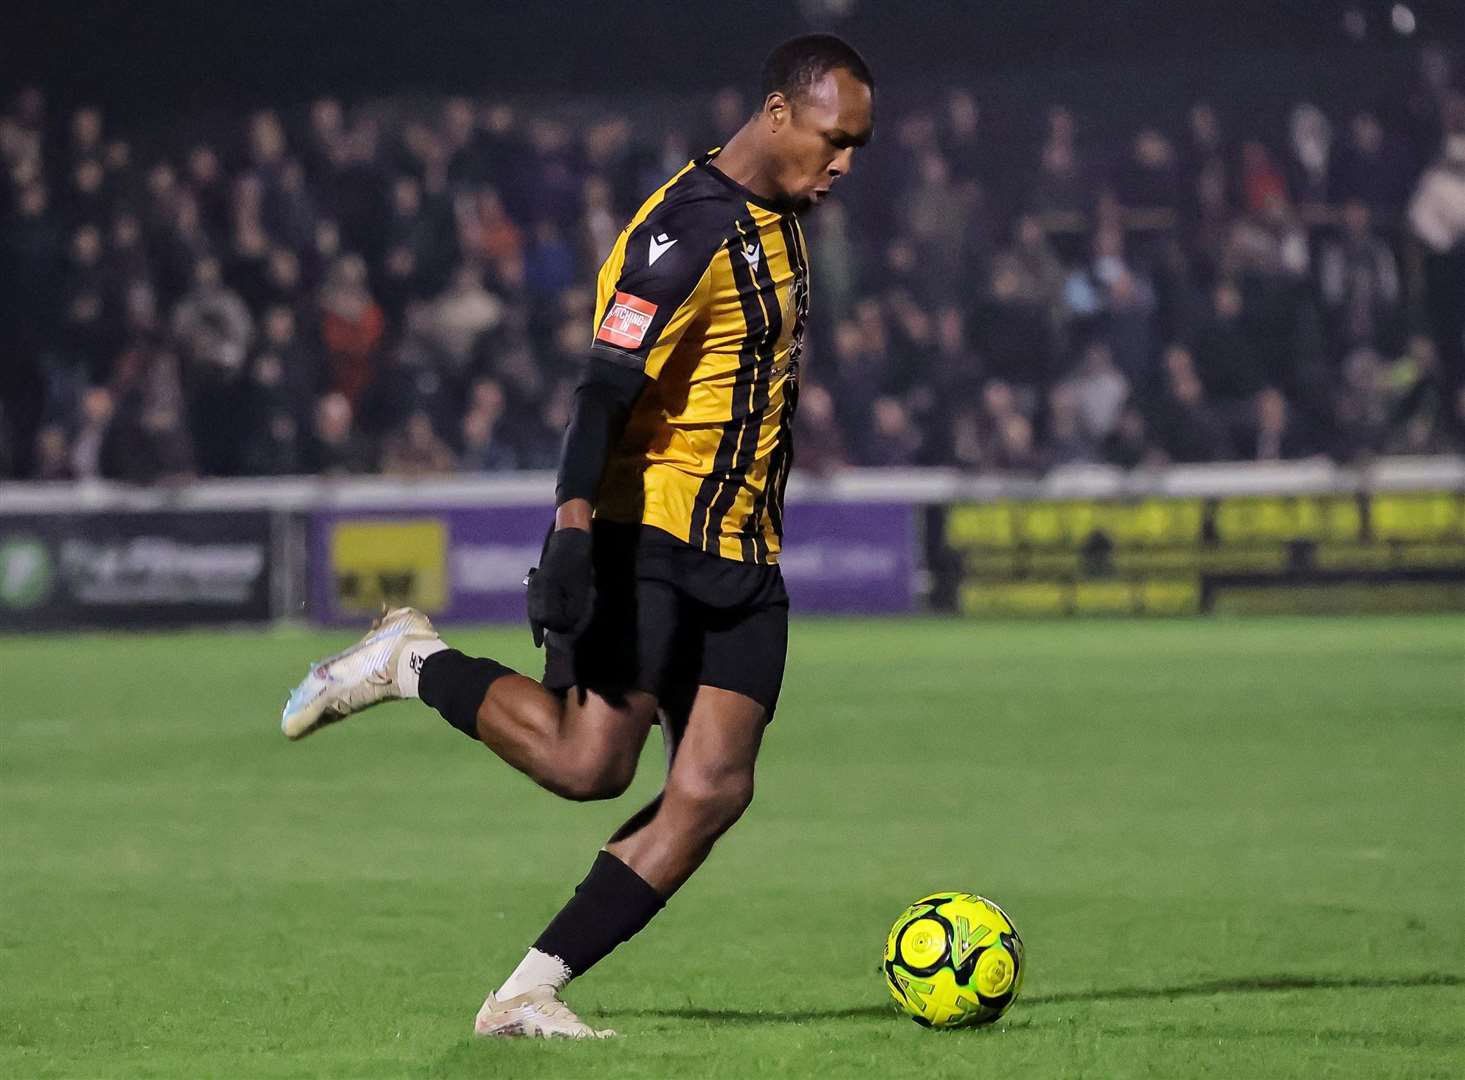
(407, 287)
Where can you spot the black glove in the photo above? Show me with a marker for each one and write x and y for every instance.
(562, 588)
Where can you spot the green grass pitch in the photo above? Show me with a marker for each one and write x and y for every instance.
(1234, 849)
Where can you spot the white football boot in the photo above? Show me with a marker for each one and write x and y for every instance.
(362, 676)
(535, 1014)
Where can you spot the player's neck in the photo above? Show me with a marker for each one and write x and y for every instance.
(741, 162)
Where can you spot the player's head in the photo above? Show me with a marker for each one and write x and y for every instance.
(817, 108)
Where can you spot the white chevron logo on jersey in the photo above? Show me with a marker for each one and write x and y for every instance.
(659, 246)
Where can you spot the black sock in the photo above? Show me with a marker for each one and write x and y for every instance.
(610, 906)
(455, 686)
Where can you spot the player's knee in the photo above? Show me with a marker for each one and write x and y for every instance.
(591, 777)
(712, 802)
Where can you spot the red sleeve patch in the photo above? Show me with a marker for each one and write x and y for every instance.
(627, 321)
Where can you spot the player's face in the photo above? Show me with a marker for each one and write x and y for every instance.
(816, 140)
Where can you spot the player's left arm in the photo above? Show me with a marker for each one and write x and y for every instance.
(654, 298)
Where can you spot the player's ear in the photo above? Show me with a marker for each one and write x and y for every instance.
(777, 110)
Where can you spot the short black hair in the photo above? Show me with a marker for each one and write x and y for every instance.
(796, 65)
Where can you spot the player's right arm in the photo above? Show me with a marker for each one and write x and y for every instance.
(651, 287)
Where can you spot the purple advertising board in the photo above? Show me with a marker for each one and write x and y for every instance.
(467, 564)
(848, 557)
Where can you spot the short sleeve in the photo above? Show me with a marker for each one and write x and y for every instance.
(654, 284)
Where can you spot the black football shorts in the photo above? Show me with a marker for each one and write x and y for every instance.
(669, 618)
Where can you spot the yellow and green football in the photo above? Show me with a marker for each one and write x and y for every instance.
(953, 959)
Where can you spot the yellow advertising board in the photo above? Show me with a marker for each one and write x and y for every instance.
(1158, 555)
(394, 562)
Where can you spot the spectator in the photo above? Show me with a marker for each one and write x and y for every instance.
(1437, 216)
(300, 375)
(1310, 156)
(836, 260)
(1225, 353)
(1014, 331)
(1262, 183)
(1099, 391)
(1418, 412)
(484, 446)
(1129, 324)
(1359, 282)
(127, 255)
(821, 446)
(1128, 445)
(212, 322)
(601, 222)
(1429, 102)
(1370, 167)
(91, 327)
(1204, 158)
(1362, 408)
(1190, 428)
(1149, 180)
(894, 442)
(87, 201)
(1034, 268)
(325, 142)
(859, 376)
(961, 140)
(1061, 193)
(1013, 449)
(937, 219)
(485, 230)
(88, 443)
(336, 448)
(1270, 245)
(549, 267)
(275, 448)
(86, 134)
(958, 368)
(53, 456)
(461, 316)
(1278, 433)
(1067, 441)
(966, 437)
(289, 211)
(415, 449)
(210, 191)
(151, 428)
(351, 328)
(1003, 431)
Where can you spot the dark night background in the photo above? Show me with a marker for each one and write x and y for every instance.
(153, 56)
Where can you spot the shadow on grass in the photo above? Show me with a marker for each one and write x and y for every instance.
(1257, 985)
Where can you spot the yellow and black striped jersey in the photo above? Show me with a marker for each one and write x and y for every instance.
(707, 292)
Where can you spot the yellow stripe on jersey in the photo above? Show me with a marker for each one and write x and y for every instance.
(707, 291)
